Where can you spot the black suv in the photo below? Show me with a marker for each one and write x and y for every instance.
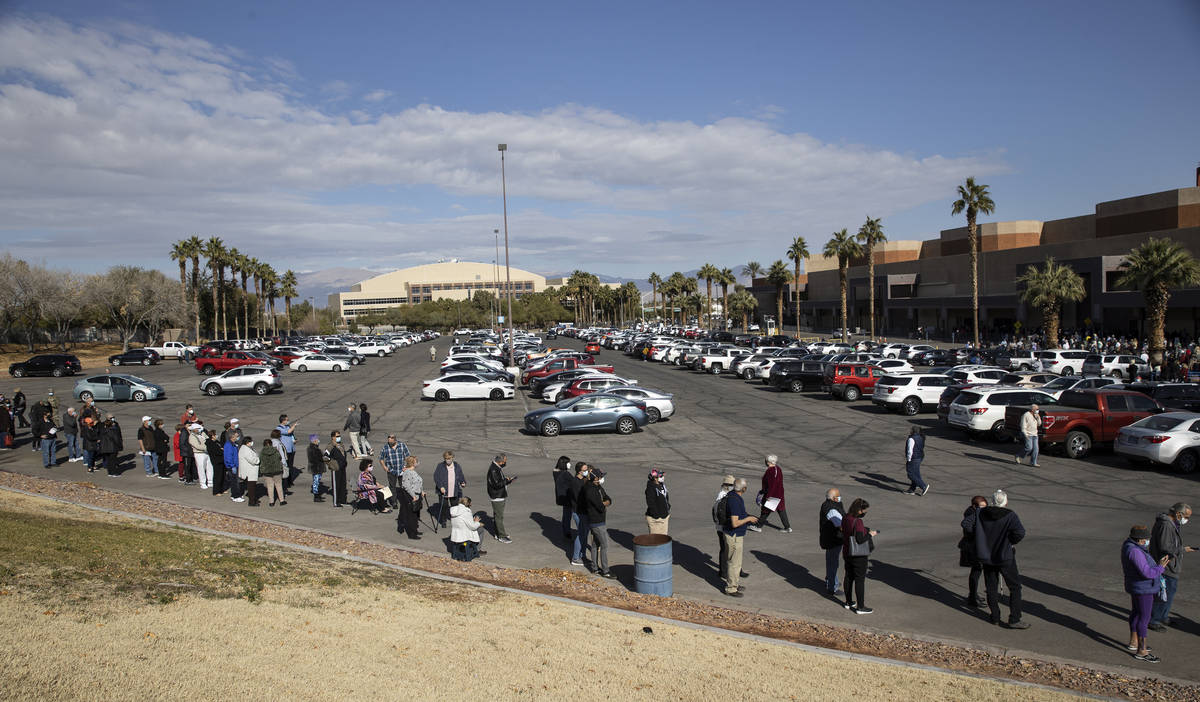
(133, 357)
(797, 374)
(55, 364)
(1176, 396)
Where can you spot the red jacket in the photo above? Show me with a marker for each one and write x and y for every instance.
(175, 448)
(772, 486)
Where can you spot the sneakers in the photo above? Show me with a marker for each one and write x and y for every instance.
(735, 593)
(1147, 657)
(504, 540)
(848, 605)
(755, 528)
(787, 531)
(238, 499)
(1016, 459)
(607, 574)
(1018, 625)
(1156, 626)
(863, 610)
(164, 477)
(910, 491)
(924, 492)
(576, 562)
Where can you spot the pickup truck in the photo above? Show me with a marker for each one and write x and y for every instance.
(718, 359)
(175, 349)
(558, 365)
(227, 360)
(1082, 418)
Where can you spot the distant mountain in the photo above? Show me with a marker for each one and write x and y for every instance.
(320, 284)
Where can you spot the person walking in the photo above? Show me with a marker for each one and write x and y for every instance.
(562, 493)
(772, 496)
(914, 453)
(1141, 582)
(352, 427)
(449, 481)
(967, 556)
(111, 445)
(271, 469)
(335, 459)
(595, 502)
(497, 488)
(733, 533)
(70, 434)
(997, 530)
(412, 494)
(392, 458)
(316, 465)
(433, 353)
(364, 418)
(216, 461)
(857, 545)
(658, 502)
(829, 525)
(577, 547)
(1030, 421)
(18, 409)
(287, 437)
(196, 440)
(44, 432)
(1166, 540)
(248, 465)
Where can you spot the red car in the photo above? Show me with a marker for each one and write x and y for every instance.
(586, 386)
(592, 347)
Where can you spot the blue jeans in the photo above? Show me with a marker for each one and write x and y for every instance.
(579, 545)
(832, 557)
(913, 468)
(89, 458)
(73, 450)
(1162, 608)
(316, 485)
(150, 462)
(1030, 449)
(49, 447)
(235, 485)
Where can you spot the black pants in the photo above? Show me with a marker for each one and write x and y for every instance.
(339, 486)
(190, 473)
(164, 466)
(566, 522)
(973, 582)
(397, 498)
(444, 505)
(289, 478)
(406, 519)
(218, 477)
(19, 415)
(856, 577)
(766, 514)
(1012, 580)
(110, 463)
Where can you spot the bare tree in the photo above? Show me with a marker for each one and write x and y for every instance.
(129, 298)
(65, 304)
(31, 287)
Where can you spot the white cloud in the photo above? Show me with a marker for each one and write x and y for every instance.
(377, 95)
(134, 137)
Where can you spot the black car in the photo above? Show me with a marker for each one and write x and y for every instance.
(1175, 396)
(55, 364)
(537, 385)
(936, 357)
(796, 375)
(135, 357)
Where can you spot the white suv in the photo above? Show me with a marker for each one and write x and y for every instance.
(1063, 361)
(974, 375)
(1113, 365)
(910, 393)
(980, 410)
(894, 351)
(916, 349)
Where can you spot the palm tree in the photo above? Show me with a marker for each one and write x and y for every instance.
(752, 269)
(233, 259)
(1155, 268)
(742, 303)
(870, 234)
(725, 279)
(630, 295)
(778, 276)
(256, 269)
(195, 246)
(287, 288)
(180, 252)
(655, 281)
(244, 268)
(708, 273)
(270, 278)
(798, 251)
(214, 251)
(687, 286)
(1047, 288)
(973, 199)
(843, 247)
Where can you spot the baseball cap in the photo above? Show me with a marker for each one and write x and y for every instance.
(728, 480)
(597, 473)
(233, 421)
(145, 419)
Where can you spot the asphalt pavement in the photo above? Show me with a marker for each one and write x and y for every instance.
(1076, 512)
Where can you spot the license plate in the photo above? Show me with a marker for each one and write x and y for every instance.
(958, 411)
(1129, 439)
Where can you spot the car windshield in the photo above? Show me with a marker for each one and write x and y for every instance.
(1060, 383)
(1081, 400)
(135, 379)
(1160, 423)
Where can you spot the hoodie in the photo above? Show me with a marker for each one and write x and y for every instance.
(1141, 573)
(1165, 540)
(997, 530)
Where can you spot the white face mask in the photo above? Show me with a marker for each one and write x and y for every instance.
(1144, 544)
(838, 498)
(600, 481)
(568, 466)
(1183, 521)
(338, 440)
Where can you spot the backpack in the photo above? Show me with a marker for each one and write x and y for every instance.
(720, 512)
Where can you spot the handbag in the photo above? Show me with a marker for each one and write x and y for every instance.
(863, 549)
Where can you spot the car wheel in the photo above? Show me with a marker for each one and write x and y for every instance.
(18, 372)
(355, 361)
(796, 386)
(851, 393)
(212, 389)
(302, 368)
(715, 369)
(1077, 445)
(1186, 462)
(626, 425)
(551, 427)
(57, 372)
(337, 368)
(85, 395)
(1068, 371)
(145, 361)
(999, 432)
(441, 395)
(261, 389)
(208, 369)
(116, 361)
(1025, 367)
(747, 374)
(1116, 374)
(497, 394)
(139, 396)
(653, 415)
(910, 406)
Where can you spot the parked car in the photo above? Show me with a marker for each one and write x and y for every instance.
(895, 365)
(916, 349)
(981, 409)
(592, 347)
(223, 361)
(1063, 361)
(261, 380)
(976, 374)
(659, 404)
(1058, 386)
(479, 368)
(1083, 418)
(911, 392)
(55, 364)
(117, 387)
(373, 349)
(318, 362)
(1175, 396)
(1170, 438)
(1114, 366)
(934, 357)
(465, 386)
(850, 381)
(1027, 379)
(1017, 359)
(590, 412)
(589, 384)
(174, 349)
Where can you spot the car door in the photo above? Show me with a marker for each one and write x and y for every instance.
(100, 387)
(1189, 397)
(121, 389)
(606, 412)
(580, 414)
(233, 380)
(1120, 413)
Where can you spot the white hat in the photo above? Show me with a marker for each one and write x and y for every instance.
(145, 419)
(195, 427)
(233, 421)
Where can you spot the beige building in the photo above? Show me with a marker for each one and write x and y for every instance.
(452, 280)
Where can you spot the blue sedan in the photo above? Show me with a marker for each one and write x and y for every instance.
(597, 411)
(118, 386)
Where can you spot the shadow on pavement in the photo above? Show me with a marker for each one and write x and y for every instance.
(795, 574)
(1053, 590)
(990, 457)
(881, 481)
(690, 558)
(914, 582)
(551, 528)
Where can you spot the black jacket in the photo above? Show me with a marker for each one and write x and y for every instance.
(562, 487)
(1165, 540)
(216, 453)
(146, 436)
(497, 484)
(162, 442)
(316, 459)
(18, 402)
(594, 502)
(110, 438)
(91, 438)
(42, 427)
(658, 502)
(70, 423)
(830, 533)
(997, 530)
(574, 487)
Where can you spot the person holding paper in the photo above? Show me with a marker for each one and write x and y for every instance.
(771, 496)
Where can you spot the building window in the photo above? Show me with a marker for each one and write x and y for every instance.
(1110, 282)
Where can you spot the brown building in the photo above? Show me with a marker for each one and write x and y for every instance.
(928, 283)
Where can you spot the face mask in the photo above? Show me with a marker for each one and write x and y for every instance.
(568, 466)
(1144, 544)
(601, 481)
(838, 498)
(338, 440)
(1183, 521)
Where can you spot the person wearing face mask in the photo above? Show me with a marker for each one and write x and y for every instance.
(562, 493)
(449, 480)
(1141, 582)
(595, 502)
(392, 459)
(316, 465)
(353, 427)
(577, 547)
(497, 487)
(967, 556)
(335, 460)
(829, 523)
(997, 530)
(1166, 540)
(658, 502)
(248, 469)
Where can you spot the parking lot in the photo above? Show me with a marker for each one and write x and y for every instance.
(1076, 512)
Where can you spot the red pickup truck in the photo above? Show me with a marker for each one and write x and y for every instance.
(226, 360)
(560, 364)
(1082, 418)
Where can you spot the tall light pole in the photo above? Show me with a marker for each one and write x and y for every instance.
(496, 275)
(507, 270)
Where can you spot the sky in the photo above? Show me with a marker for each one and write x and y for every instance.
(641, 136)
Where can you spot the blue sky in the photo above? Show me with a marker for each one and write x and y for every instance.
(642, 136)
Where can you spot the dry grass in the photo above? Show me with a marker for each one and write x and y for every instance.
(91, 355)
(323, 628)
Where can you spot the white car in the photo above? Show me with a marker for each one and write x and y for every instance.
(464, 386)
(466, 358)
(1170, 438)
(319, 362)
(550, 393)
(659, 404)
(981, 409)
(1063, 361)
(894, 351)
(1114, 365)
(1058, 386)
(916, 349)
(910, 393)
(975, 375)
(895, 365)
(373, 349)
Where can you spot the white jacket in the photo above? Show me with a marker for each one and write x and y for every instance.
(247, 464)
(1029, 424)
(463, 526)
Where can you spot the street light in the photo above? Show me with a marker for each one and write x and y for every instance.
(496, 279)
(313, 304)
(507, 270)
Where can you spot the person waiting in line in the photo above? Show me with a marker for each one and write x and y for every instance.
(856, 549)
(271, 470)
(316, 465)
(1141, 582)
(411, 496)
(216, 459)
(658, 502)
(369, 488)
(967, 556)
(464, 531)
(248, 463)
(562, 493)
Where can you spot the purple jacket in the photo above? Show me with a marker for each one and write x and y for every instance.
(1141, 572)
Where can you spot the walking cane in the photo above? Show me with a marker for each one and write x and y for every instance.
(434, 522)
